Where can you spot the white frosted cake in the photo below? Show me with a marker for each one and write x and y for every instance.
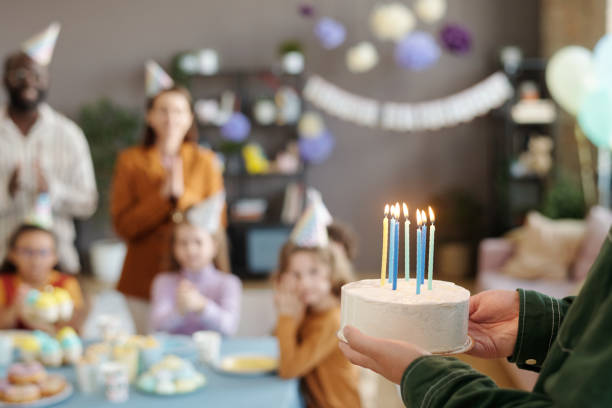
(436, 320)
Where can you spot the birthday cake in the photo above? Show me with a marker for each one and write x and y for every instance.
(435, 320)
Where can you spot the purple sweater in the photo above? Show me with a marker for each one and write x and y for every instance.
(222, 312)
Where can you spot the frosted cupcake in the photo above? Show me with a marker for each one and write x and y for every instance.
(46, 307)
(51, 353)
(73, 349)
(29, 348)
(64, 304)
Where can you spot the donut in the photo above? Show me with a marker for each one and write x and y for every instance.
(26, 373)
(53, 384)
(15, 393)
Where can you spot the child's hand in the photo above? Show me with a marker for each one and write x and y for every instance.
(287, 300)
(189, 299)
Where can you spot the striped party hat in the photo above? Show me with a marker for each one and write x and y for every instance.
(156, 79)
(311, 228)
(207, 214)
(40, 47)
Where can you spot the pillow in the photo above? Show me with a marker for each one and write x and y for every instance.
(544, 248)
(598, 224)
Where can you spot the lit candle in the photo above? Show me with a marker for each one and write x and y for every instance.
(396, 214)
(432, 233)
(418, 253)
(423, 245)
(391, 247)
(384, 246)
(406, 243)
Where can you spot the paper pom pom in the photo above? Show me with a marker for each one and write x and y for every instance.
(289, 105)
(237, 128)
(293, 62)
(208, 61)
(264, 111)
(417, 51)
(316, 150)
(310, 125)
(456, 39)
(206, 110)
(330, 32)
(391, 21)
(430, 11)
(189, 63)
(361, 58)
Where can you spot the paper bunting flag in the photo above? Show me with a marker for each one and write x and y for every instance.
(40, 47)
(156, 79)
(207, 214)
(311, 229)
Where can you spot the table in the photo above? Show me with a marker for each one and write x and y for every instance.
(221, 390)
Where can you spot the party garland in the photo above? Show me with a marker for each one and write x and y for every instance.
(449, 111)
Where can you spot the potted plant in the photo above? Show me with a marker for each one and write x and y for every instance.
(108, 128)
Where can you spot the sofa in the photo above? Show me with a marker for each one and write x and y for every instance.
(495, 253)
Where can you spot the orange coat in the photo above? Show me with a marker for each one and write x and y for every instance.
(141, 215)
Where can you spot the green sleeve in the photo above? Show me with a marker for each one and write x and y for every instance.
(437, 381)
(540, 317)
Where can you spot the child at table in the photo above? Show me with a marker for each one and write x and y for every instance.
(31, 263)
(196, 296)
(307, 299)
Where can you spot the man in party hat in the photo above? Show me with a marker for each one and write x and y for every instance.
(43, 153)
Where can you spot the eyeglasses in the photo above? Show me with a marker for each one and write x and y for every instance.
(18, 76)
(34, 253)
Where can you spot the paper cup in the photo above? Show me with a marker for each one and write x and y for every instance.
(208, 344)
(6, 350)
(88, 375)
(128, 356)
(116, 384)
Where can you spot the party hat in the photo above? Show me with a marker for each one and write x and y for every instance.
(41, 215)
(40, 47)
(156, 79)
(311, 228)
(207, 213)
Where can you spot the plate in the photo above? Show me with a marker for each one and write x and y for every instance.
(469, 343)
(248, 364)
(43, 402)
(176, 394)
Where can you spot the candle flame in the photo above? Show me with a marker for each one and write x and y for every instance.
(386, 210)
(424, 217)
(418, 218)
(432, 217)
(405, 210)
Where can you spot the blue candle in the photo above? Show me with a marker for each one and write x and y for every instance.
(391, 249)
(396, 257)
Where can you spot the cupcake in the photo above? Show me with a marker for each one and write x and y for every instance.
(64, 304)
(51, 353)
(29, 348)
(46, 307)
(73, 349)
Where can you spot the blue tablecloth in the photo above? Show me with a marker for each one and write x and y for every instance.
(221, 390)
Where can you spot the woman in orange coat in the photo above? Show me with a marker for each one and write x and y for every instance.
(153, 184)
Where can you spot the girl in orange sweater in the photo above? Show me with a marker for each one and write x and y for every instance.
(310, 276)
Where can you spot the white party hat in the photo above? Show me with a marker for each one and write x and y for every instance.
(40, 47)
(311, 228)
(207, 214)
(156, 79)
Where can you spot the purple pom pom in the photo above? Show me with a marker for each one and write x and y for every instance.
(306, 10)
(417, 51)
(237, 128)
(316, 150)
(456, 39)
(330, 32)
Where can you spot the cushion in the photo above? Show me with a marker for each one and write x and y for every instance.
(545, 248)
(598, 224)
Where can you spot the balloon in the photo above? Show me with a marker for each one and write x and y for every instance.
(417, 51)
(237, 128)
(456, 39)
(391, 21)
(316, 150)
(602, 57)
(595, 116)
(330, 32)
(570, 74)
(361, 58)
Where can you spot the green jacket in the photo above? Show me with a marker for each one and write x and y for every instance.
(568, 341)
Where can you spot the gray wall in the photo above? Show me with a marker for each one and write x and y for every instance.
(103, 45)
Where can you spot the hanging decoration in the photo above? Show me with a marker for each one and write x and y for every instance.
(237, 128)
(391, 22)
(430, 11)
(310, 125)
(417, 51)
(316, 150)
(444, 112)
(456, 39)
(330, 32)
(361, 58)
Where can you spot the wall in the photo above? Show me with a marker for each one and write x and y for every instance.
(104, 44)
